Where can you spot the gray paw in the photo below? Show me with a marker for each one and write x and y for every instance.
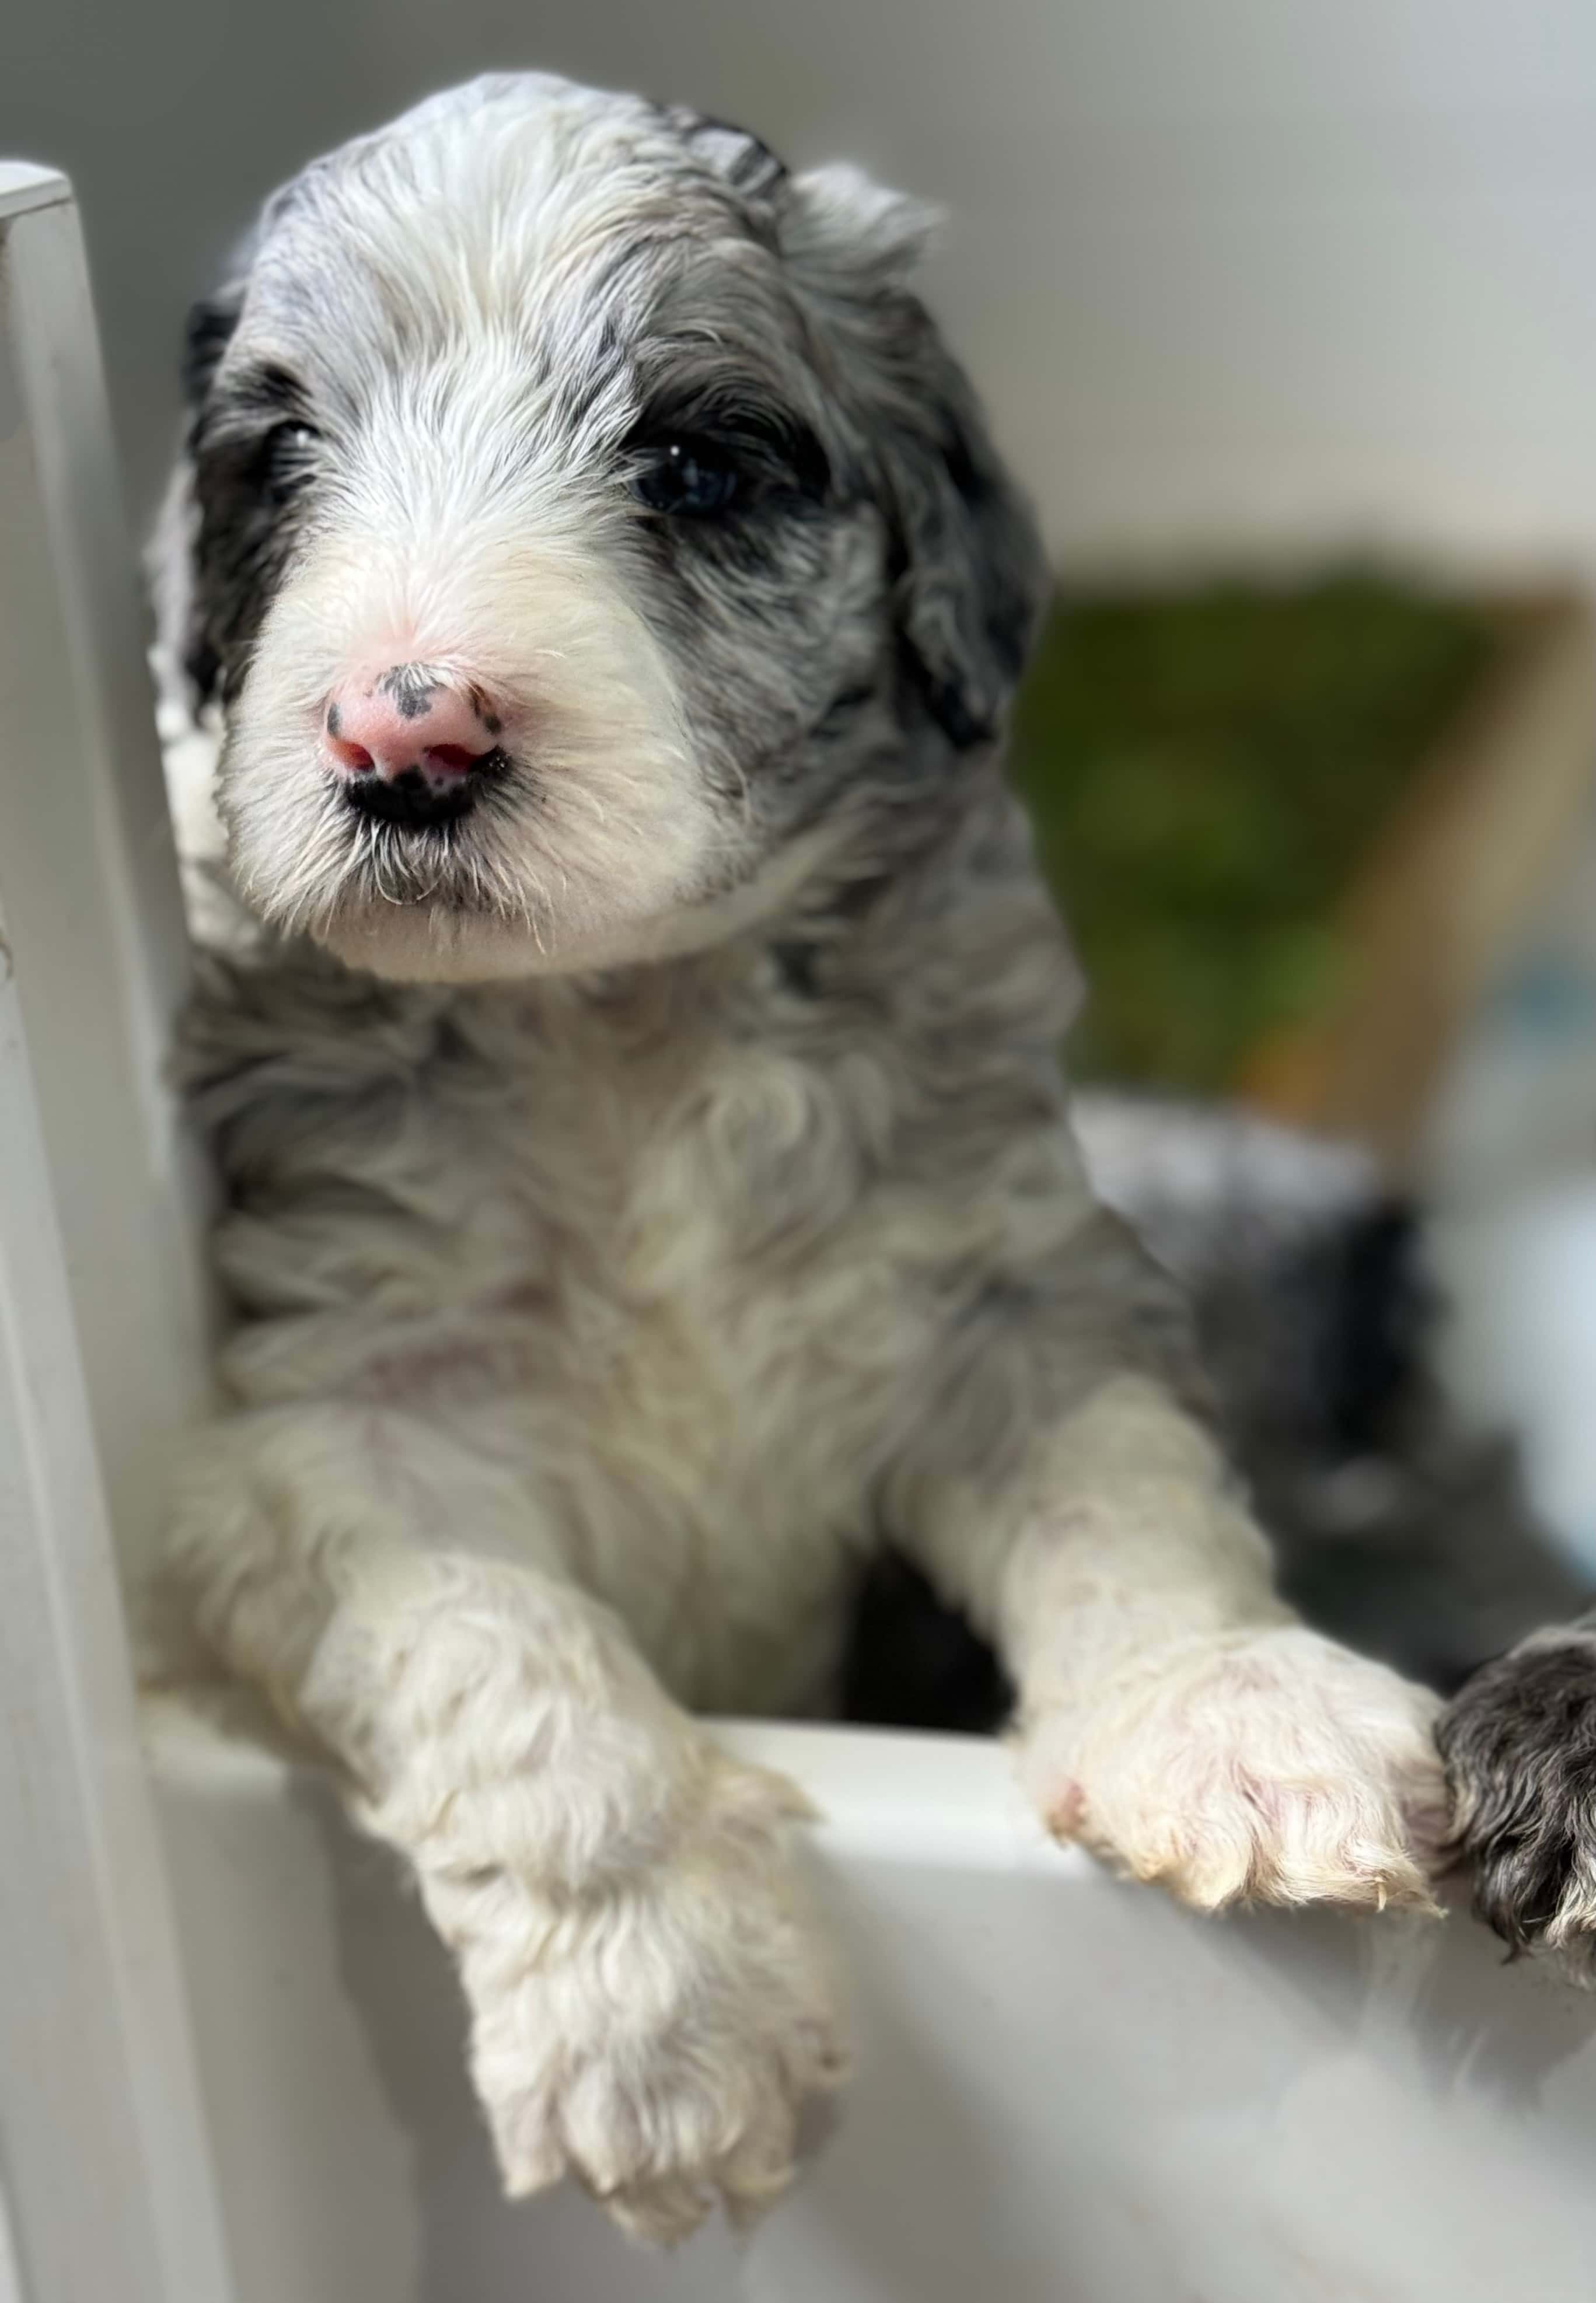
(1519, 1742)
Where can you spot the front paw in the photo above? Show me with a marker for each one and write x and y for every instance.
(657, 2037)
(1519, 1742)
(1272, 1767)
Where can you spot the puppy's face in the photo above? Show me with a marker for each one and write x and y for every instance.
(580, 523)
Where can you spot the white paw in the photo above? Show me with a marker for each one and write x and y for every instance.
(1273, 1767)
(655, 2039)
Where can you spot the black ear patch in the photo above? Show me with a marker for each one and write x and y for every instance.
(969, 567)
(227, 530)
(179, 595)
(209, 331)
(972, 577)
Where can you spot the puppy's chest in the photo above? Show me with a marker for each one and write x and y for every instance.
(696, 1245)
(721, 1249)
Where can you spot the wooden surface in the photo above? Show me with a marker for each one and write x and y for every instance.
(1452, 880)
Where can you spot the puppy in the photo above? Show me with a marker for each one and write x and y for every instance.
(648, 1173)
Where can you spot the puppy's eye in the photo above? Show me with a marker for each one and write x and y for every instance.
(690, 478)
(287, 459)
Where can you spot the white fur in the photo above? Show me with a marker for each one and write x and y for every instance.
(1184, 1725)
(618, 833)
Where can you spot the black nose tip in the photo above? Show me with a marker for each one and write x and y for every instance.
(416, 800)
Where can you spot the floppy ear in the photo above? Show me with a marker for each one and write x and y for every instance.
(185, 658)
(971, 576)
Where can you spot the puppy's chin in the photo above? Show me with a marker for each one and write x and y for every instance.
(430, 942)
(426, 943)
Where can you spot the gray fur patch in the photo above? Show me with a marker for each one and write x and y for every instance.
(1519, 1744)
(410, 686)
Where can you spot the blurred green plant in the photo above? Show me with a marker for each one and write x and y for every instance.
(1205, 768)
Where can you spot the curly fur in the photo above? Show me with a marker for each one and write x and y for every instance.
(645, 1194)
(1519, 1744)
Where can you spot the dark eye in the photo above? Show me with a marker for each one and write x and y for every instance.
(690, 478)
(287, 459)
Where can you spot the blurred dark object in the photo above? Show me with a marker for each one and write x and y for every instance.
(1292, 827)
(1394, 1531)
(912, 1662)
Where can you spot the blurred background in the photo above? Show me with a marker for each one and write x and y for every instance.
(1279, 272)
(1285, 310)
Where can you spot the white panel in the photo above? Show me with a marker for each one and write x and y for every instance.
(11, 2276)
(102, 2137)
(1068, 2091)
(87, 875)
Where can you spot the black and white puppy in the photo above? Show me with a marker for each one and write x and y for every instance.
(648, 1175)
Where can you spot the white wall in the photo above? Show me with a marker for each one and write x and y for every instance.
(1287, 270)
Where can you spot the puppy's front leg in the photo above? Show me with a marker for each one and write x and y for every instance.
(1174, 1715)
(648, 2003)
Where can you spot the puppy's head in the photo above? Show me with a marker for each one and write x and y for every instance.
(579, 521)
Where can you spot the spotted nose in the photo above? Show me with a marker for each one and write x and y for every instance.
(409, 722)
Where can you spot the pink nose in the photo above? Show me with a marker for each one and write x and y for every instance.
(408, 720)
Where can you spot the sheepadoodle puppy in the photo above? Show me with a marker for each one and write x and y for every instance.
(648, 1174)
